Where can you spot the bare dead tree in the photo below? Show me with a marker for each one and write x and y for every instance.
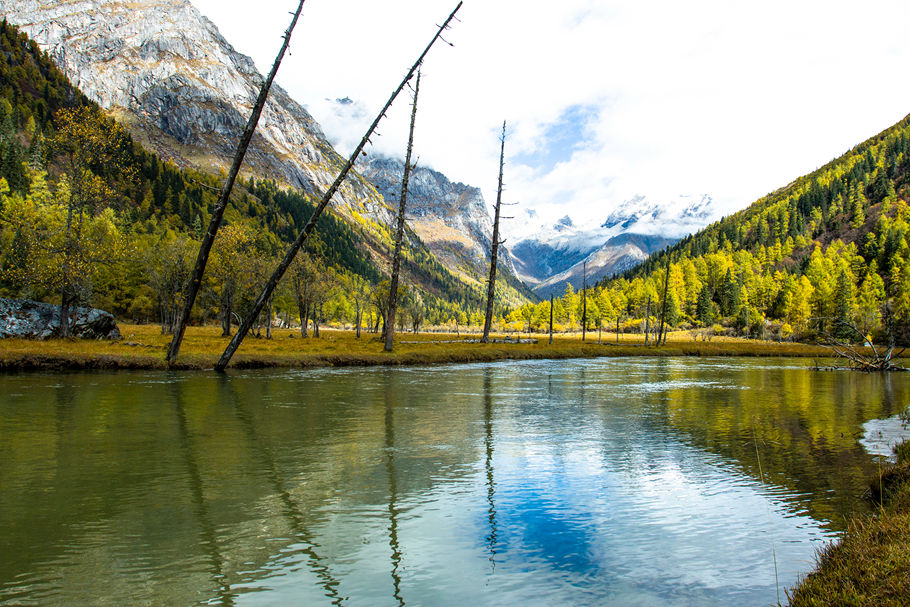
(192, 289)
(494, 252)
(584, 299)
(661, 337)
(551, 319)
(302, 236)
(399, 235)
(648, 322)
(357, 290)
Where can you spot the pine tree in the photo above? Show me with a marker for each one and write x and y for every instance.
(844, 304)
(703, 307)
(857, 206)
(730, 295)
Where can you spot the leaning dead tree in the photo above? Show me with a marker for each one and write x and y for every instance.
(302, 236)
(399, 235)
(494, 252)
(205, 248)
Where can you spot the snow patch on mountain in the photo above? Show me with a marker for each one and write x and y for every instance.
(544, 250)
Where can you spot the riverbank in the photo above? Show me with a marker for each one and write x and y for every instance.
(144, 347)
(870, 566)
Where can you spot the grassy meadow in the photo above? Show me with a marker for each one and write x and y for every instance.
(144, 347)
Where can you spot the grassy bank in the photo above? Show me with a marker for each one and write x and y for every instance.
(870, 566)
(143, 347)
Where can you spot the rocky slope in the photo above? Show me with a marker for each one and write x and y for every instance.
(165, 70)
(450, 218)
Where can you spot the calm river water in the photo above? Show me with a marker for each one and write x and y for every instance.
(610, 481)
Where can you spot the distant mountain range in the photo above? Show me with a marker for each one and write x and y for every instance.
(556, 254)
(165, 71)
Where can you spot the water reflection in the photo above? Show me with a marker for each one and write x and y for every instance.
(393, 489)
(207, 536)
(295, 517)
(488, 464)
(555, 482)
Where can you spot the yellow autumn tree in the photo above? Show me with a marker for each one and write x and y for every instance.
(82, 229)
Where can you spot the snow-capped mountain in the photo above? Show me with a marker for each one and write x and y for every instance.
(676, 217)
(553, 254)
(617, 255)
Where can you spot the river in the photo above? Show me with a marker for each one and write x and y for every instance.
(594, 482)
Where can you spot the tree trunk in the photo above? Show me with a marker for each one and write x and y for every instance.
(208, 240)
(65, 316)
(311, 223)
(663, 307)
(584, 300)
(648, 323)
(551, 319)
(65, 300)
(399, 235)
(227, 305)
(494, 247)
(163, 314)
(304, 310)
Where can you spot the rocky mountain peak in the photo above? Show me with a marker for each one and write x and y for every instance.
(165, 70)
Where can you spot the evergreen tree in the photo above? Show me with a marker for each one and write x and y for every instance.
(844, 305)
(703, 307)
(857, 205)
(730, 295)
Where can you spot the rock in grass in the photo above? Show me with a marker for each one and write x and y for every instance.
(28, 319)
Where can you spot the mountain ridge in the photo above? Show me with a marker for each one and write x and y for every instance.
(164, 70)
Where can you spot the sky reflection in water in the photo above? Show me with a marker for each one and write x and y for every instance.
(632, 482)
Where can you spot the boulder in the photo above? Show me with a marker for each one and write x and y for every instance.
(28, 319)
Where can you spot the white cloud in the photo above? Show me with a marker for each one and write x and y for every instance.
(731, 99)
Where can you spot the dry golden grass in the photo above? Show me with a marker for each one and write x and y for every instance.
(870, 566)
(143, 346)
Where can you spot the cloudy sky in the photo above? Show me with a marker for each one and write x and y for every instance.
(604, 99)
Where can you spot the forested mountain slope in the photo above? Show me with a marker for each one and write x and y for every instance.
(815, 259)
(828, 249)
(65, 163)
